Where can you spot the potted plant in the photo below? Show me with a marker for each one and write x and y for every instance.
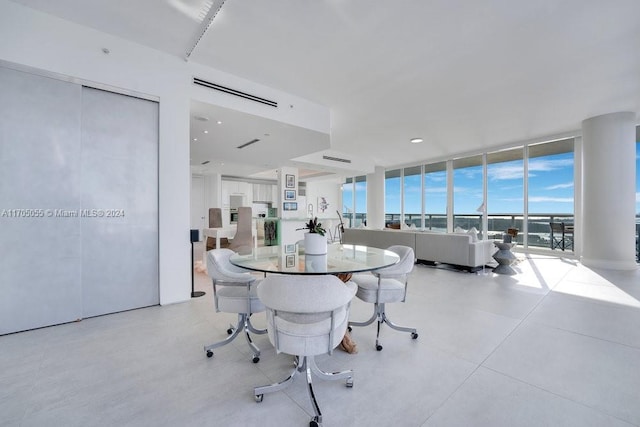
(315, 242)
(314, 227)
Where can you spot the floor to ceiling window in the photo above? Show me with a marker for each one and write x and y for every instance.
(354, 201)
(467, 192)
(360, 202)
(412, 190)
(347, 202)
(550, 185)
(435, 196)
(392, 197)
(505, 192)
(417, 195)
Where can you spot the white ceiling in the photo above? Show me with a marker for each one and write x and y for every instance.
(465, 75)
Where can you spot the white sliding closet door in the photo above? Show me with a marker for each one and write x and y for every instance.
(120, 182)
(71, 160)
(40, 254)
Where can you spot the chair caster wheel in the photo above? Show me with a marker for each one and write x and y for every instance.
(314, 422)
(379, 347)
(414, 335)
(259, 397)
(229, 331)
(255, 359)
(209, 353)
(349, 328)
(349, 383)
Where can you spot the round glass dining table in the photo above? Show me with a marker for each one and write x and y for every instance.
(340, 259)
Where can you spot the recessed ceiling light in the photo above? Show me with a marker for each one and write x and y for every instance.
(416, 140)
(206, 131)
(219, 122)
(195, 139)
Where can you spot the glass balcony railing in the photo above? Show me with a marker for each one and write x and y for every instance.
(538, 236)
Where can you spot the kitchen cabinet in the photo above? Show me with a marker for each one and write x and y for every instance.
(236, 188)
(263, 192)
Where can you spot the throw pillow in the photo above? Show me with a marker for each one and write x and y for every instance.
(459, 230)
(473, 232)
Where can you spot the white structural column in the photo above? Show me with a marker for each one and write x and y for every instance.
(609, 176)
(375, 198)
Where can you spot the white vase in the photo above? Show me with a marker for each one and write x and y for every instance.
(315, 244)
(315, 263)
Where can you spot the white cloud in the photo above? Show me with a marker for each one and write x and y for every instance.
(469, 173)
(410, 189)
(559, 186)
(549, 165)
(505, 172)
(439, 177)
(540, 199)
(535, 165)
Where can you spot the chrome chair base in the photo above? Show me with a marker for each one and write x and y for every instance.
(380, 315)
(308, 365)
(244, 324)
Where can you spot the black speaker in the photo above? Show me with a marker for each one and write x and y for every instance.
(195, 237)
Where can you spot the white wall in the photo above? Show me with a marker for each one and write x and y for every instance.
(330, 189)
(34, 39)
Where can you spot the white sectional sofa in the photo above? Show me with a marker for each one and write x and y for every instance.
(458, 249)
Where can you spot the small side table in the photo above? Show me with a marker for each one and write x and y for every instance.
(504, 257)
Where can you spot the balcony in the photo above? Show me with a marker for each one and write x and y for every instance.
(538, 236)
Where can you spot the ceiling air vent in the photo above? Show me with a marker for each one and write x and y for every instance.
(246, 144)
(234, 92)
(205, 162)
(336, 159)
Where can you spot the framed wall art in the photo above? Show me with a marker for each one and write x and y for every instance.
(290, 181)
(290, 261)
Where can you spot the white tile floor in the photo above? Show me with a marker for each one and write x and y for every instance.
(556, 345)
